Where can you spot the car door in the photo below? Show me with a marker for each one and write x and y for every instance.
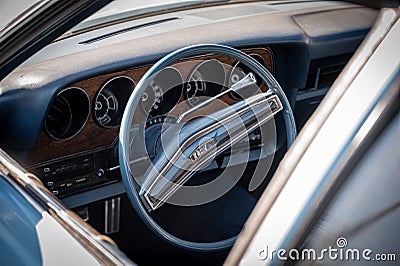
(359, 105)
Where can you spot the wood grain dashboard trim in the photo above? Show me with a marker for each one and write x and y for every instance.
(92, 135)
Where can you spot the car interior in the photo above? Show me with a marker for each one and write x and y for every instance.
(62, 109)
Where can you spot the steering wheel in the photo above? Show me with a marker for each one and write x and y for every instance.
(188, 146)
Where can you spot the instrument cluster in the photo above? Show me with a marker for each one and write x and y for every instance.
(87, 114)
(182, 82)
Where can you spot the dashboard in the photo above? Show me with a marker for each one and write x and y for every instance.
(61, 110)
(86, 116)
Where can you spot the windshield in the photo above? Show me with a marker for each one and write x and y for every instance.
(123, 9)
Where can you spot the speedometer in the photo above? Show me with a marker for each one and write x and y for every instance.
(163, 92)
(152, 97)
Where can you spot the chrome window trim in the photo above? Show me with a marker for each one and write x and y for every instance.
(43, 201)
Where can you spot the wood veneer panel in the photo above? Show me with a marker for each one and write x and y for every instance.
(92, 135)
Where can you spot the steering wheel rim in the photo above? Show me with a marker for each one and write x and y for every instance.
(129, 182)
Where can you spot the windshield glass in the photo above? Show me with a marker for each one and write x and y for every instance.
(123, 9)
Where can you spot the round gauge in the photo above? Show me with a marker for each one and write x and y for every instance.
(163, 92)
(195, 87)
(111, 100)
(105, 106)
(206, 80)
(153, 96)
(238, 72)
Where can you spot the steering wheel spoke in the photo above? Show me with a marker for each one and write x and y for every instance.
(203, 140)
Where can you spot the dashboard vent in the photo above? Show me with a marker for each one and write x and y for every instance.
(67, 114)
(323, 72)
(112, 34)
(229, 12)
(59, 117)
